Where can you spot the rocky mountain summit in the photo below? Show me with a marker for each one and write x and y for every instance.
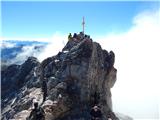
(66, 85)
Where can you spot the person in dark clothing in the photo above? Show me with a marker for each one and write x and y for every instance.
(75, 35)
(96, 113)
(44, 89)
(37, 113)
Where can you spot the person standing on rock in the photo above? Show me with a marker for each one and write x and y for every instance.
(37, 113)
(69, 36)
(44, 89)
(96, 113)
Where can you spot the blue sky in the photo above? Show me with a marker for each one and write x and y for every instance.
(43, 19)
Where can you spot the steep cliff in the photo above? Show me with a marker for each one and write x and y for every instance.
(77, 78)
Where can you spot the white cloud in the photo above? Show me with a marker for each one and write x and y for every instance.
(56, 44)
(26, 52)
(136, 91)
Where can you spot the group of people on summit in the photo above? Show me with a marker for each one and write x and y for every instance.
(78, 37)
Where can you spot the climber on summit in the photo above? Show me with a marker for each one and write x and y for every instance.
(96, 113)
(37, 113)
(69, 36)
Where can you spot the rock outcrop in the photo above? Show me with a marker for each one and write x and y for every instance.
(15, 76)
(78, 77)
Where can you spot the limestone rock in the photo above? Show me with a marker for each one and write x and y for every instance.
(75, 77)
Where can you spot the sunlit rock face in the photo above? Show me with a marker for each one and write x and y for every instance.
(77, 78)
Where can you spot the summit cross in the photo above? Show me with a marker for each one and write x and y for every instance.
(83, 23)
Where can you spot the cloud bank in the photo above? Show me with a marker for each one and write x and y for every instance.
(44, 50)
(56, 43)
(16, 52)
(136, 92)
(26, 52)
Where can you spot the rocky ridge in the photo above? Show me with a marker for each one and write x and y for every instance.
(77, 75)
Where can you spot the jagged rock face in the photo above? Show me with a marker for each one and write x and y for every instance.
(14, 77)
(85, 69)
(7, 80)
(16, 81)
(76, 76)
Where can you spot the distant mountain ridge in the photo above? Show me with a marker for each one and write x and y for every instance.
(11, 48)
(24, 41)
